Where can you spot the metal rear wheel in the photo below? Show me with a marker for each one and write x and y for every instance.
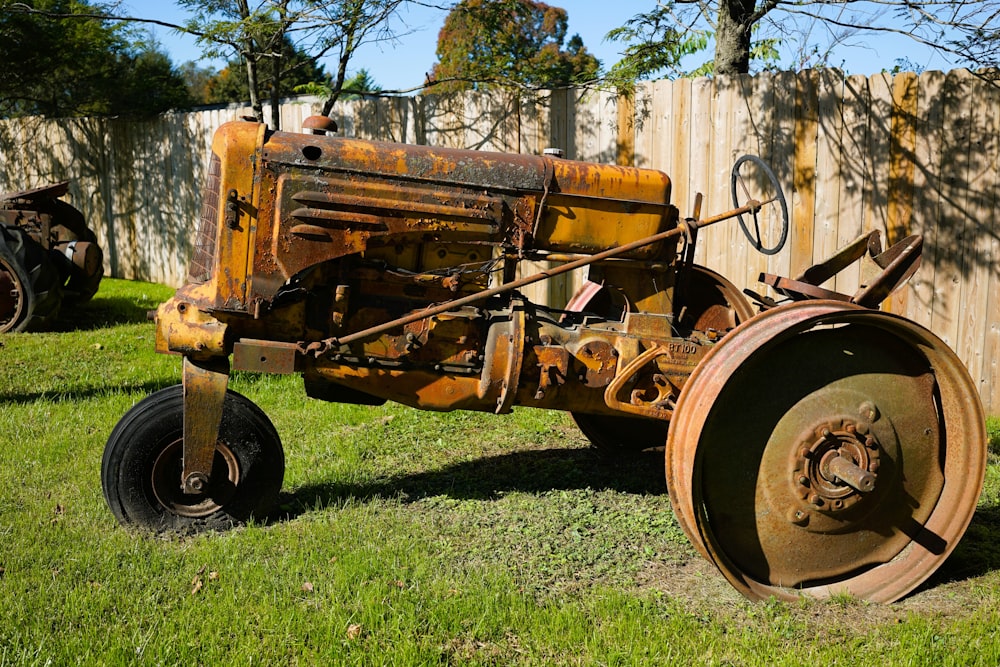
(30, 294)
(822, 449)
(16, 299)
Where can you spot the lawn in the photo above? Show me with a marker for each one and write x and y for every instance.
(402, 538)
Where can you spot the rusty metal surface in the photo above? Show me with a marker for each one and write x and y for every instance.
(225, 233)
(332, 342)
(387, 272)
(46, 241)
(882, 272)
(319, 124)
(13, 283)
(329, 197)
(184, 328)
(265, 356)
(52, 191)
(798, 289)
(204, 393)
(891, 269)
(502, 289)
(706, 301)
(858, 474)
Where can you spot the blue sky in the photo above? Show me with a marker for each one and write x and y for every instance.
(402, 64)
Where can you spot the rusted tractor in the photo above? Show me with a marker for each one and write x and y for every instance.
(48, 255)
(815, 445)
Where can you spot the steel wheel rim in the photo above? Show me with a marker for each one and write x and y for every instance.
(166, 475)
(947, 504)
(11, 296)
(719, 316)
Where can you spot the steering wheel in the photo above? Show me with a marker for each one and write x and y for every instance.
(752, 173)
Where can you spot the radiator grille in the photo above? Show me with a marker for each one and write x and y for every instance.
(200, 268)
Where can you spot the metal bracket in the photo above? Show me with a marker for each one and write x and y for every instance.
(661, 408)
(553, 368)
(205, 385)
(515, 358)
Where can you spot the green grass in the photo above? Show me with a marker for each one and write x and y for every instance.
(403, 538)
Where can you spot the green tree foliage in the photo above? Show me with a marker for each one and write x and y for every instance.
(249, 36)
(150, 85)
(355, 87)
(654, 47)
(658, 45)
(58, 63)
(747, 34)
(277, 43)
(509, 43)
(197, 79)
(360, 84)
(296, 69)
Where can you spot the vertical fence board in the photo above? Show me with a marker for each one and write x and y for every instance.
(804, 181)
(901, 153)
(900, 191)
(926, 192)
(680, 133)
(749, 114)
(988, 270)
(661, 153)
(643, 105)
(980, 227)
(596, 122)
(717, 241)
(952, 222)
(829, 162)
(700, 142)
(855, 168)
(780, 155)
(625, 121)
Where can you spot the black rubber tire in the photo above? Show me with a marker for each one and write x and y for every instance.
(80, 287)
(141, 467)
(18, 301)
(617, 437)
(69, 223)
(41, 307)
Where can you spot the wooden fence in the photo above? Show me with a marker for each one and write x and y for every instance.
(901, 154)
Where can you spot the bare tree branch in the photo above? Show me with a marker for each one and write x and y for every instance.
(967, 31)
(23, 8)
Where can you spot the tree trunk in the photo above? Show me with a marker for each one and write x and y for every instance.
(255, 102)
(338, 83)
(278, 64)
(347, 48)
(732, 37)
(276, 67)
(250, 57)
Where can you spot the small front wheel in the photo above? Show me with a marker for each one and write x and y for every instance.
(143, 460)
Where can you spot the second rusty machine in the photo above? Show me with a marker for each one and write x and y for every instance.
(815, 445)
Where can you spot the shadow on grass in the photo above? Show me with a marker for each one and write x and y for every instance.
(81, 394)
(102, 312)
(533, 471)
(541, 471)
(979, 551)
